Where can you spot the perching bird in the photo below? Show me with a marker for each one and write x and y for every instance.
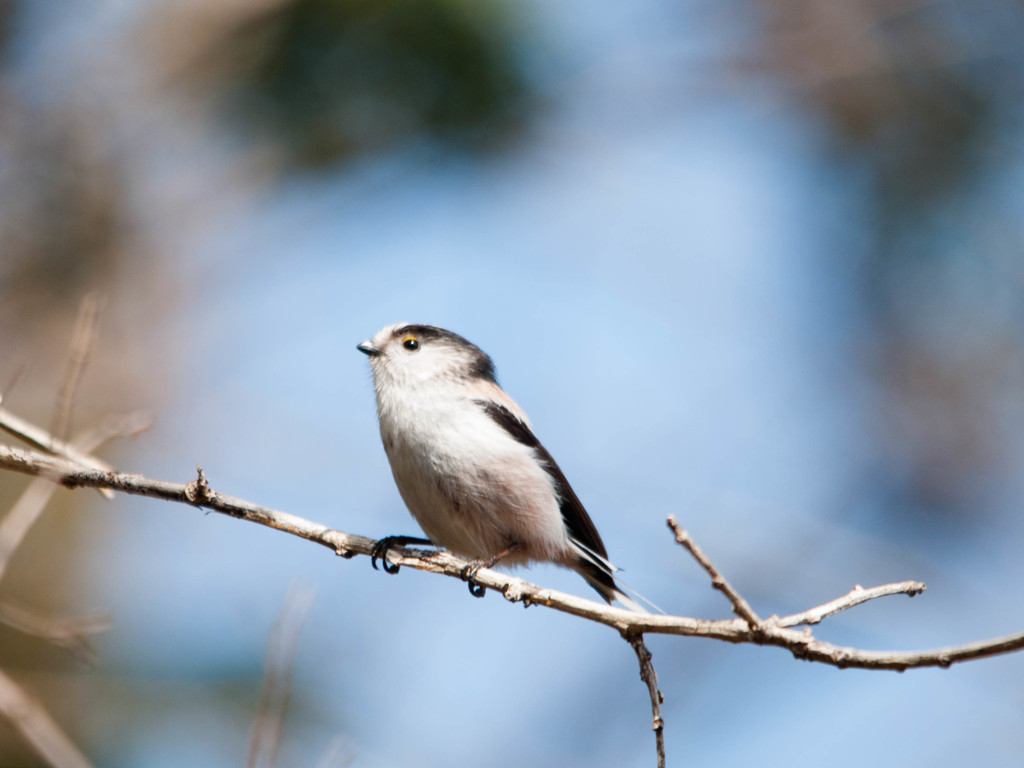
(467, 463)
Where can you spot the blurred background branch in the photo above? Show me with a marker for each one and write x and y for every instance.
(268, 725)
(22, 711)
(36, 725)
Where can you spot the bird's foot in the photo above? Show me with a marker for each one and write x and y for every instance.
(468, 573)
(380, 550)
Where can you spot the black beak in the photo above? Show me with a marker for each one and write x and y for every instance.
(368, 349)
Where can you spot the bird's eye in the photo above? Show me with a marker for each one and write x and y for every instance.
(411, 344)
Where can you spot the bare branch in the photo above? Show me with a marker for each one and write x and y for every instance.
(64, 633)
(31, 720)
(44, 441)
(855, 597)
(128, 425)
(26, 715)
(801, 643)
(57, 630)
(650, 677)
(17, 522)
(33, 500)
(268, 725)
(113, 427)
(739, 606)
(78, 355)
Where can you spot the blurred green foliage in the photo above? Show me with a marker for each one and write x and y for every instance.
(329, 78)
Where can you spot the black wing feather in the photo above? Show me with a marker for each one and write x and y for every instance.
(577, 521)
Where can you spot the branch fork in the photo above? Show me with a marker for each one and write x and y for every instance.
(72, 469)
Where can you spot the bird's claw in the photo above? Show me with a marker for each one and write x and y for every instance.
(380, 550)
(468, 574)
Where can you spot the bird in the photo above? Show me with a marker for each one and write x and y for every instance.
(468, 465)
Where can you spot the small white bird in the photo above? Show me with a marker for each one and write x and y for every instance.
(468, 465)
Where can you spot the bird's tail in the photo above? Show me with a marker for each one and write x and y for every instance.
(599, 573)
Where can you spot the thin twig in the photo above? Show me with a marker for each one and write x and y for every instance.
(21, 517)
(650, 677)
(857, 596)
(268, 725)
(78, 355)
(31, 720)
(13, 381)
(65, 633)
(801, 643)
(33, 500)
(739, 606)
(114, 426)
(130, 424)
(338, 754)
(44, 441)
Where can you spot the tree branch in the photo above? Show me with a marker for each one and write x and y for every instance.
(78, 355)
(268, 725)
(739, 606)
(69, 634)
(30, 718)
(33, 500)
(73, 469)
(774, 631)
(650, 677)
(129, 424)
(855, 597)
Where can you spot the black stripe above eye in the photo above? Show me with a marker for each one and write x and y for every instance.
(481, 366)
